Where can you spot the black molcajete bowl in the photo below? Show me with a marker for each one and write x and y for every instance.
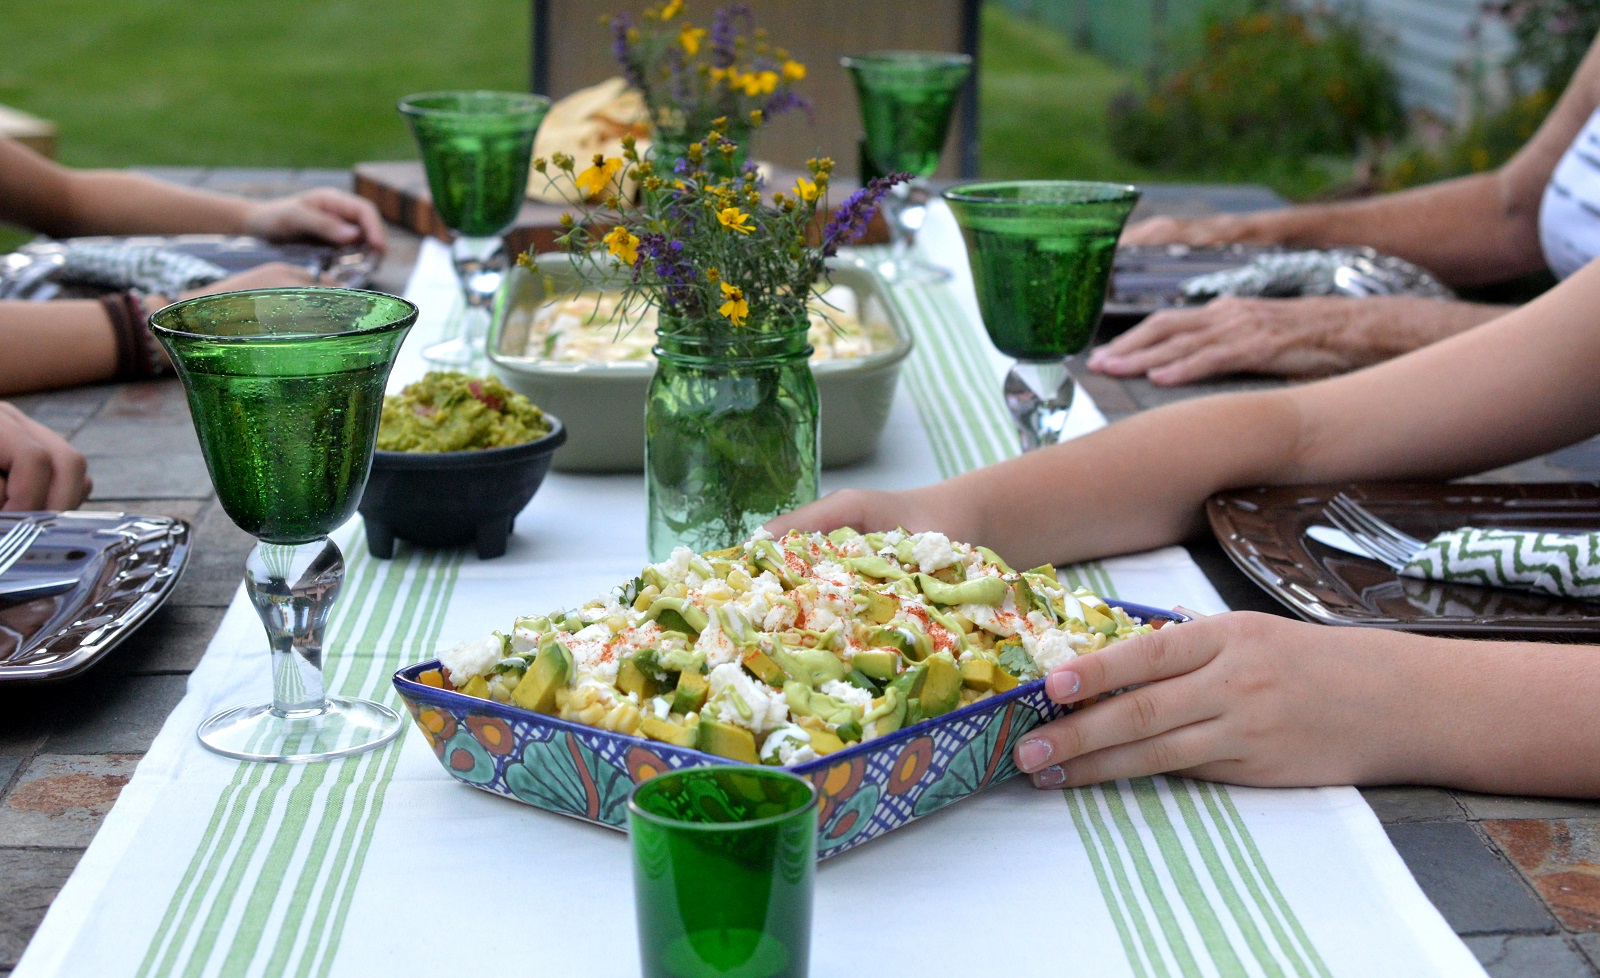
(447, 499)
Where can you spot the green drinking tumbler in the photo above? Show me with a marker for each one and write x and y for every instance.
(723, 863)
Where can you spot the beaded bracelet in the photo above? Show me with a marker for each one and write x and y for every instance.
(138, 355)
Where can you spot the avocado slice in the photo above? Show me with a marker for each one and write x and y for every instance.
(677, 615)
(690, 696)
(477, 686)
(727, 740)
(633, 677)
(991, 557)
(842, 534)
(548, 673)
(888, 712)
(941, 690)
(875, 567)
(912, 644)
(825, 742)
(763, 668)
(678, 734)
(979, 674)
(813, 667)
(989, 591)
(880, 664)
(876, 606)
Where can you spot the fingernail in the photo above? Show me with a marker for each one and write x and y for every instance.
(1050, 777)
(1032, 754)
(1060, 685)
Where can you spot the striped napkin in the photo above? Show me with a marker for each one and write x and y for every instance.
(145, 267)
(1563, 564)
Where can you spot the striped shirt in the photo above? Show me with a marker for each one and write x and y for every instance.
(1569, 214)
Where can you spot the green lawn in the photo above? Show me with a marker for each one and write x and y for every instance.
(314, 82)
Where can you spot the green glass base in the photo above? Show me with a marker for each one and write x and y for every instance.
(342, 728)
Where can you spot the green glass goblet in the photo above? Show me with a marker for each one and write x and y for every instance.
(907, 100)
(724, 858)
(476, 148)
(286, 388)
(1041, 254)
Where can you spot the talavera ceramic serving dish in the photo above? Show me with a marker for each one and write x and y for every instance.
(863, 791)
(602, 402)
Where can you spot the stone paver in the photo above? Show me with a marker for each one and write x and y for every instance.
(1407, 804)
(1589, 944)
(29, 880)
(60, 799)
(1504, 806)
(1537, 956)
(216, 564)
(1476, 892)
(1561, 859)
(171, 641)
(102, 712)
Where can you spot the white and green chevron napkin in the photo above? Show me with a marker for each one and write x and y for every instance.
(1564, 564)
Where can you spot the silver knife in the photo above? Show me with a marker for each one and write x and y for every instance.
(29, 588)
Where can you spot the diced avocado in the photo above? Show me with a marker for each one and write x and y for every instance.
(727, 740)
(677, 615)
(980, 590)
(979, 674)
(806, 702)
(842, 534)
(763, 668)
(875, 567)
(690, 695)
(880, 664)
(548, 673)
(994, 558)
(685, 659)
(825, 742)
(477, 686)
(1098, 621)
(650, 575)
(912, 644)
(909, 683)
(888, 712)
(1004, 681)
(634, 676)
(734, 552)
(1045, 570)
(849, 732)
(876, 606)
(906, 552)
(682, 735)
(941, 690)
(813, 667)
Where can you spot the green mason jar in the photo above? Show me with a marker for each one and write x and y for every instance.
(730, 431)
(669, 145)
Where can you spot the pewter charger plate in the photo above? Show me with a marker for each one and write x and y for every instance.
(125, 566)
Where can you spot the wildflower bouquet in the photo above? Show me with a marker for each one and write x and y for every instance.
(690, 76)
(731, 416)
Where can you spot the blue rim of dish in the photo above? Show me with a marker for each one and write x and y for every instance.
(405, 680)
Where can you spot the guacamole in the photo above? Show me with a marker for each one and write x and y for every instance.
(451, 412)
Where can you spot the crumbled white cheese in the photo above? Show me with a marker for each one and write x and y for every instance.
(660, 707)
(762, 533)
(779, 617)
(827, 570)
(996, 621)
(848, 693)
(715, 645)
(474, 657)
(730, 686)
(591, 654)
(789, 744)
(676, 566)
(1054, 647)
(932, 551)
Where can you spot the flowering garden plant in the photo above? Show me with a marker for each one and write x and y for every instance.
(707, 250)
(690, 76)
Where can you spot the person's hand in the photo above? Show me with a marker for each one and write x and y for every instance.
(272, 275)
(38, 469)
(332, 215)
(1283, 337)
(1244, 698)
(1197, 232)
(870, 511)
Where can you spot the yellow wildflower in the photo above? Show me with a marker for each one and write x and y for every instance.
(712, 275)
(734, 219)
(593, 181)
(622, 244)
(806, 190)
(735, 309)
(793, 71)
(689, 38)
(672, 9)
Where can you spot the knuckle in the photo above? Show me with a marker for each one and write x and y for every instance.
(1146, 711)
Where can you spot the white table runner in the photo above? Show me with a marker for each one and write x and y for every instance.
(383, 864)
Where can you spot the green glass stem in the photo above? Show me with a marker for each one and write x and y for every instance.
(724, 866)
(1041, 254)
(731, 433)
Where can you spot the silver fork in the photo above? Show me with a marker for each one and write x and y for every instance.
(16, 542)
(1385, 542)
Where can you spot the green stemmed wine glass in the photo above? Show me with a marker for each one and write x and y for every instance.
(476, 148)
(1041, 253)
(286, 388)
(907, 101)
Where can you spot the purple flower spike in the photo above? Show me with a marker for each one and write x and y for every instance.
(725, 31)
(788, 100)
(850, 221)
(620, 25)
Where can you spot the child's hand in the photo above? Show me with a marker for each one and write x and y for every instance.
(1242, 697)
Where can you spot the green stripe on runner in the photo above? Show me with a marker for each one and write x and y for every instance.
(966, 381)
(442, 597)
(1222, 881)
(1115, 909)
(247, 939)
(994, 426)
(925, 391)
(1271, 885)
(1144, 867)
(922, 401)
(1176, 944)
(1274, 922)
(1185, 879)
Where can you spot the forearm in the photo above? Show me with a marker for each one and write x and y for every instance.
(1135, 485)
(117, 202)
(1378, 329)
(47, 345)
